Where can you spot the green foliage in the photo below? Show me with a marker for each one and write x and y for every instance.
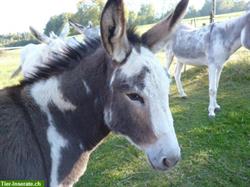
(21, 43)
(199, 21)
(192, 12)
(223, 6)
(56, 23)
(146, 15)
(89, 11)
(132, 16)
(12, 40)
(206, 9)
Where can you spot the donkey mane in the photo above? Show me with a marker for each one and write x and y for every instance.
(67, 59)
(70, 57)
(134, 38)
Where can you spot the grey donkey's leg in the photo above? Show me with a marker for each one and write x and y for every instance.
(218, 71)
(177, 76)
(169, 60)
(212, 89)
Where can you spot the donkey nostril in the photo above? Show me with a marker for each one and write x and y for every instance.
(170, 162)
(166, 162)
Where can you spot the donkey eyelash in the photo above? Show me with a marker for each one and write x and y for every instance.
(135, 97)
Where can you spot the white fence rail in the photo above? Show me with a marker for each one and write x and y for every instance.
(9, 48)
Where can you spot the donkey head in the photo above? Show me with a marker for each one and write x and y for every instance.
(54, 42)
(137, 103)
(65, 31)
(78, 27)
(90, 32)
(52, 35)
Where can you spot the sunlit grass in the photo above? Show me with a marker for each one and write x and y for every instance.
(9, 61)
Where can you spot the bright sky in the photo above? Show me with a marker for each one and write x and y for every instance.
(18, 15)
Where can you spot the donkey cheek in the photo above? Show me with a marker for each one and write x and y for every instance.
(143, 131)
(133, 124)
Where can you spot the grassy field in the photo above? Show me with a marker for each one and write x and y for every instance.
(199, 21)
(214, 152)
(9, 61)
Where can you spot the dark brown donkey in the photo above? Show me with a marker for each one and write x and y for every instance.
(52, 122)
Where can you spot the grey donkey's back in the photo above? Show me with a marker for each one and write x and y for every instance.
(20, 152)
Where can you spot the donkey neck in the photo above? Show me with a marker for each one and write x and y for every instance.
(73, 103)
(232, 30)
(76, 98)
(86, 88)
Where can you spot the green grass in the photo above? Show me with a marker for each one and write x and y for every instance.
(9, 61)
(214, 152)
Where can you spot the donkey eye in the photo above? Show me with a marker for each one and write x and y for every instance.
(135, 97)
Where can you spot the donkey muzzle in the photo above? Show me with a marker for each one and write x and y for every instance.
(165, 163)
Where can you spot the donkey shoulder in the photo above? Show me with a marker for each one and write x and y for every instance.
(18, 149)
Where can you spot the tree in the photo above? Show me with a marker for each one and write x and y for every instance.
(240, 5)
(132, 16)
(56, 23)
(192, 12)
(206, 9)
(224, 6)
(146, 15)
(89, 11)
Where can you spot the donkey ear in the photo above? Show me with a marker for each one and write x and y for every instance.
(39, 36)
(65, 31)
(157, 36)
(78, 27)
(113, 30)
(52, 35)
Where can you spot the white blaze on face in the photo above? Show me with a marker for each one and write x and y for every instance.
(134, 64)
(156, 92)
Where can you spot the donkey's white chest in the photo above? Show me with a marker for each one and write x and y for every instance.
(57, 143)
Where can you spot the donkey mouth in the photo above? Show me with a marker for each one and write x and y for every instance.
(152, 165)
(158, 168)
(164, 165)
